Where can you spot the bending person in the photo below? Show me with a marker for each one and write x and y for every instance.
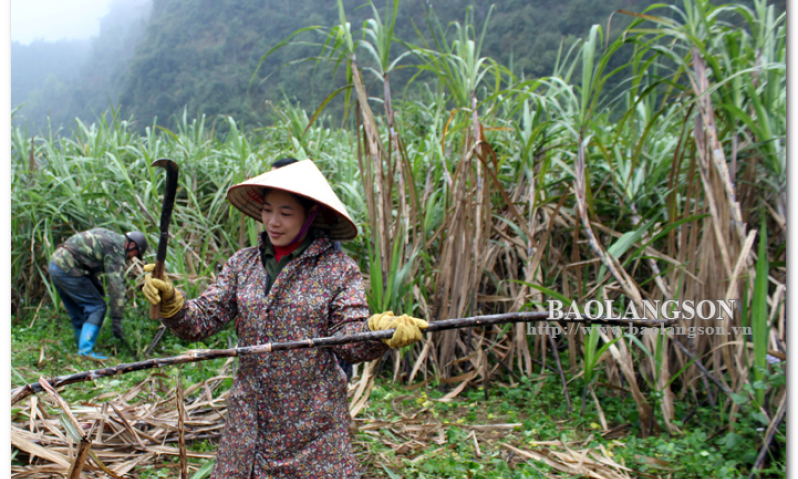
(288, 412)
(74, 269)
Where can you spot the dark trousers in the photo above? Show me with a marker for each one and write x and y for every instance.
(80, 296)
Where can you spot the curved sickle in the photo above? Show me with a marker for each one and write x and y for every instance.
(170, 192)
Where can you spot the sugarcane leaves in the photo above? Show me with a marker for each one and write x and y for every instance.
(389, 296)
(324, 104)
(381, 38)
(102, 465)
(629, 239)
(69, 427)
(434, 210)
(458, 64)
(657, 357)
(759, 312)
(550, 292)
(626, 241)
(588, 54)
(18, 375)
(532, 130)
(664, 231)
(338, 45)
(285, 41)
(390, 473)
(653, 18)
(205, 470)
(592, 355)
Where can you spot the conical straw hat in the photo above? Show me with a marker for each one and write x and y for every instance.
(302, 178)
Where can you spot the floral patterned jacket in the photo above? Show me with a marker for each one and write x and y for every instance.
(288, 412)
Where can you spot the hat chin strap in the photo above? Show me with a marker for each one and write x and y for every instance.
(305, 227)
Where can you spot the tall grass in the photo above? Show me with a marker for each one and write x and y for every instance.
(489, 193)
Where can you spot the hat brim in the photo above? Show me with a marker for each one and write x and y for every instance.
(304, 179)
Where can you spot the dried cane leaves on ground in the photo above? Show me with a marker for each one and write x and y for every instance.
(521, 430)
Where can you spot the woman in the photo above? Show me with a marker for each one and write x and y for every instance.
(287, 411)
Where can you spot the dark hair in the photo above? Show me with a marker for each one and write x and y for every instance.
(283, 162)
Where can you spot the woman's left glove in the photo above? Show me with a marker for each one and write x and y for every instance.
(408, 328)
(161, 291)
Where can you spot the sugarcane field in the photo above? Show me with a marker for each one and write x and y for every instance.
(418, 239)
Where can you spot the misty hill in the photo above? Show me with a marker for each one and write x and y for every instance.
(33, 65)
(76, 79)
(155, 60)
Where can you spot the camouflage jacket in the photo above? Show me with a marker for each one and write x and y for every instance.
(92, 253)
(288, 414)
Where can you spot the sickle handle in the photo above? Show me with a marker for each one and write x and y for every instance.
(155, 309)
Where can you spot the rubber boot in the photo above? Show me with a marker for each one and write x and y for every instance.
(77, 338)
(88, 336)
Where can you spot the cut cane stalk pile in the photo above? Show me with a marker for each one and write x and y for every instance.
(143, 426)
(137, 428)
(134, 429)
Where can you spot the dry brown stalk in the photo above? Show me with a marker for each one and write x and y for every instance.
(207, 354)
(363, 389)
(377, 182)
(462, 254)
(584, 463)
(624, 359)
(619, 351)
(770, 434)
(80, 459)
(562, 374)
(703, 369)
(624, 280)
(701, 86)
(181, 430)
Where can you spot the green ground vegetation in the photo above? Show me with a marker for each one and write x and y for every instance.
(533, 407)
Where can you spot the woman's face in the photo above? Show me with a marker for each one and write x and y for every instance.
(283, 217)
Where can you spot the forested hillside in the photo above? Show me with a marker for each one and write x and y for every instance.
(32, 66)
(78, 79)
(201, 54)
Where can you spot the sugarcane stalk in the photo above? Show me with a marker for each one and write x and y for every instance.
(22, 392)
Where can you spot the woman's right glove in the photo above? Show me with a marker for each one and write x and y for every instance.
(161, 291)
(408, 328)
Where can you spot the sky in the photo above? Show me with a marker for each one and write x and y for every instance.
(53, 20)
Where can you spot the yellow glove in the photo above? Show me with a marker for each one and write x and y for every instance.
(408, 328)
(379, 321)
(161, 291)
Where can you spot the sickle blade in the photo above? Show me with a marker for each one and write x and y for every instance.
(170, 191)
